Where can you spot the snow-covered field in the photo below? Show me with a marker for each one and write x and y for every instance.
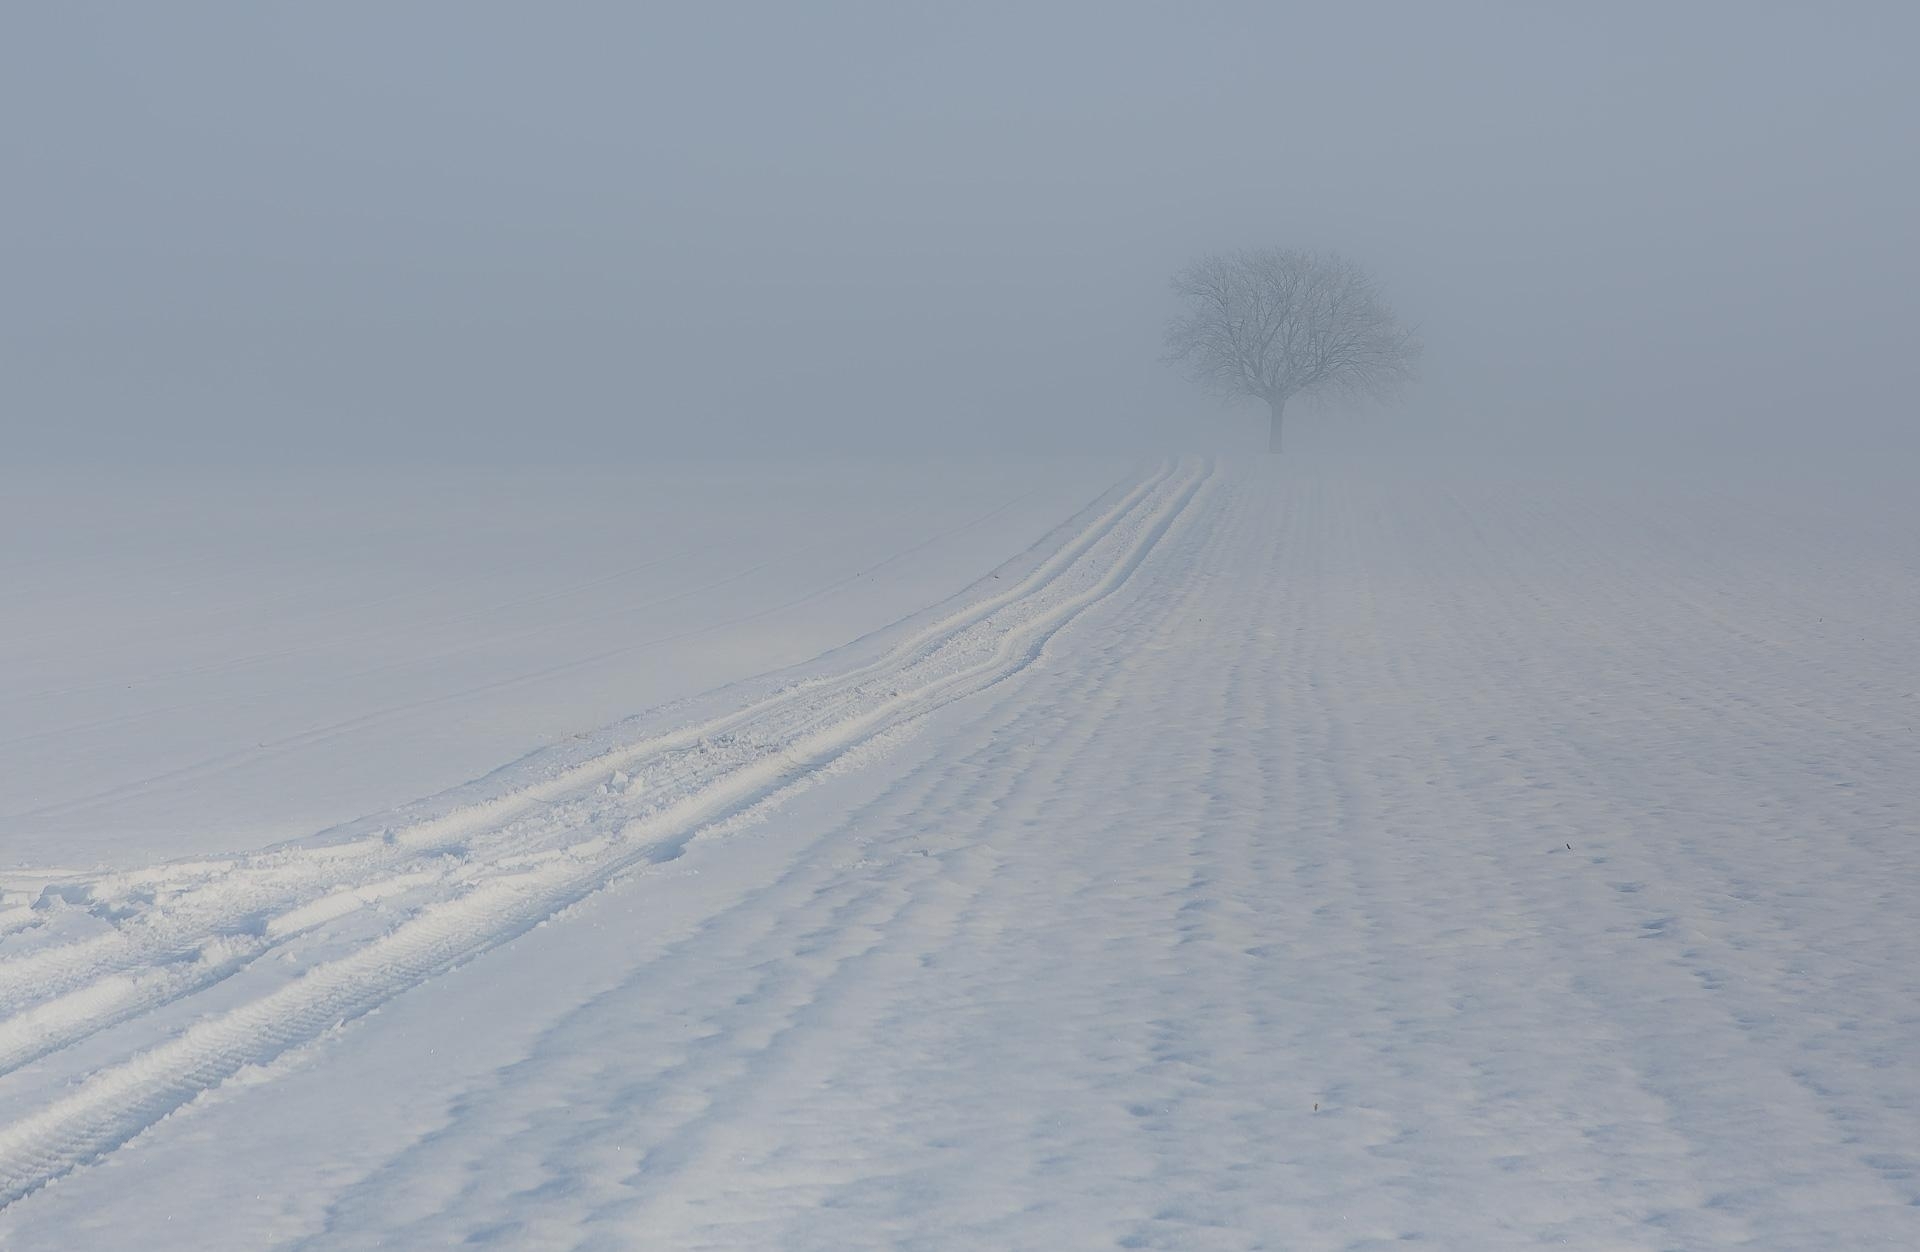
(212, 662)
(1282, 857)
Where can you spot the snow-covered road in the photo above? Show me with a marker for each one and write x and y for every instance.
(1271, 858)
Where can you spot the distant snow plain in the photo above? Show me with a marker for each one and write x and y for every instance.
(212, 661)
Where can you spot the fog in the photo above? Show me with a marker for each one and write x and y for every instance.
(548, 233)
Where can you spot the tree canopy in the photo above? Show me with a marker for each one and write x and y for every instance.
(1274, 323)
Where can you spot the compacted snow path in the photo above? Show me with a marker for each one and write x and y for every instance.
(1275, 859)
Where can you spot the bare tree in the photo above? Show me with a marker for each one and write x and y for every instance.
(1273, 323)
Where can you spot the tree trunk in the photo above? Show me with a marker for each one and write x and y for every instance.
(1279, 408)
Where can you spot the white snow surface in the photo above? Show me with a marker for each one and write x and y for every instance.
(1281, 857)
(208, 662)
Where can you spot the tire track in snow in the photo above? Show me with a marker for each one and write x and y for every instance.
(771, 747)
(264, 894)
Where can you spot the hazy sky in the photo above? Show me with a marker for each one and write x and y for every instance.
(560, 230)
